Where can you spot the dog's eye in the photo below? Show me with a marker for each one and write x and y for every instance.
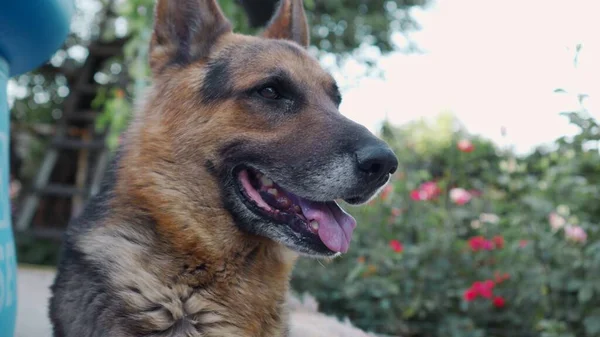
(269, 93)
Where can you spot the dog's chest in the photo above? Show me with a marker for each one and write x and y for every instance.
(180, 310)
(155, 297)
(220, 308)
(177, 310)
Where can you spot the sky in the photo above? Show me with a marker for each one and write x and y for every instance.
(492, 64)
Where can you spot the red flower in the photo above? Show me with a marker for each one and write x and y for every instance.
(498, 241)
(415, 195)
(469, 295)
(523, 243)
(430, 189)
(465, 145)
(477, 243)
(483, 289)
(427, 191)
(499, 302)
(396, 246)
(396, 211)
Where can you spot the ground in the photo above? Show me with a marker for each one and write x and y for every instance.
(34, 292)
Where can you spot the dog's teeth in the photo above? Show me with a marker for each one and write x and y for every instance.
(314, 224)
(266, 181)
(272, 191)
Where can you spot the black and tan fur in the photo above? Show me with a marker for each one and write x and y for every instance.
(168, 248)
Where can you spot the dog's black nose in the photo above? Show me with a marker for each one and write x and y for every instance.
(376, 161)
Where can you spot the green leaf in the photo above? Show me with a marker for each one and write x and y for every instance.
(585, 294)
(574, 284)
(358, 269)
(592, 325)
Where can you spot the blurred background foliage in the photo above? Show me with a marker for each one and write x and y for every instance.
(462, 214)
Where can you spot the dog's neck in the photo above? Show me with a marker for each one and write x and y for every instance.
(196, 244)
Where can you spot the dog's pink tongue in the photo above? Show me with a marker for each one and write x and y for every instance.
(335, 225)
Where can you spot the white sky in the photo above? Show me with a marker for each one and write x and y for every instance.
(493, 64)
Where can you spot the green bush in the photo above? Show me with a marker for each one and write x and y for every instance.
(470, 240)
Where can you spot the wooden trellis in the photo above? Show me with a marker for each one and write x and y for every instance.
(75, 160)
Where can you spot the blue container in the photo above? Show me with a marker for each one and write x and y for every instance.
(30, 32)
(8, 261)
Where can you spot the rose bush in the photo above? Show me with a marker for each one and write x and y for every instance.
(471, 240)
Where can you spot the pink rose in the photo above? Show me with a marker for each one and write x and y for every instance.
(460, 196)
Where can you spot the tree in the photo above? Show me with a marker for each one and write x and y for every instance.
(340, 26)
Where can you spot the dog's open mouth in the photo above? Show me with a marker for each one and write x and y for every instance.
(325, 220)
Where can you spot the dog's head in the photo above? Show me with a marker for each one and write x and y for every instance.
(261, 116)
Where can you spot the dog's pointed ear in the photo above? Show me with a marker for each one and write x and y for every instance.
(289, 22)
(184, 31)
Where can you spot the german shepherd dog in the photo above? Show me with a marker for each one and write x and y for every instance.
(230, 169)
